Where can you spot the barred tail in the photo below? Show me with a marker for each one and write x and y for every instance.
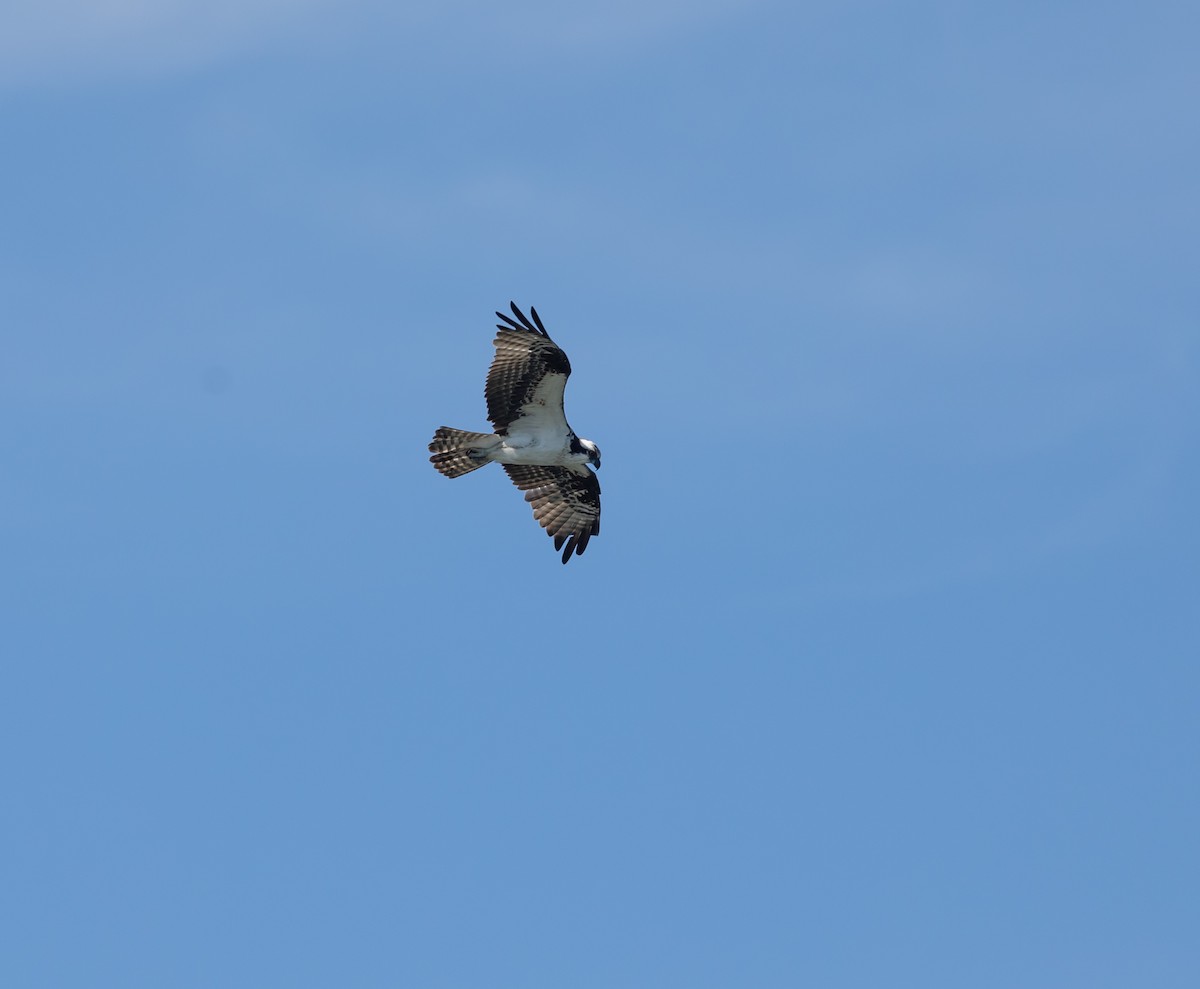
(457, 452)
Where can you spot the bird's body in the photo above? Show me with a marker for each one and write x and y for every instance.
(532, 440)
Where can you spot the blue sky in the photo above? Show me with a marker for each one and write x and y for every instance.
(883, 670)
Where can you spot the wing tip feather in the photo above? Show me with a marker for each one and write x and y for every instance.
(522, 321)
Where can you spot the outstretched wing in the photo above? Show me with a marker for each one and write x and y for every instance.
(527, 376)
(565, 500)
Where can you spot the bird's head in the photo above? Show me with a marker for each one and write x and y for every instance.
(592, 451)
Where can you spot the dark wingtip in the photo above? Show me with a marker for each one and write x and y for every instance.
(538, 319)
(521, 322)
(508, 323)
(576, 543)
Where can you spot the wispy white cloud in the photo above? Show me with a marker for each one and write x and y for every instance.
(55, 42)
(63, 42)
(582, 26)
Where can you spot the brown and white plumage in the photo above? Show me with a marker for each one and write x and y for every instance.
(565, 500)
(527, 376)
(532, 440)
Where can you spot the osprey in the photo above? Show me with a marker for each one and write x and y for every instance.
(532, 441)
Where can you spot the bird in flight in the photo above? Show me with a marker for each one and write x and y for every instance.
(532, 440)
